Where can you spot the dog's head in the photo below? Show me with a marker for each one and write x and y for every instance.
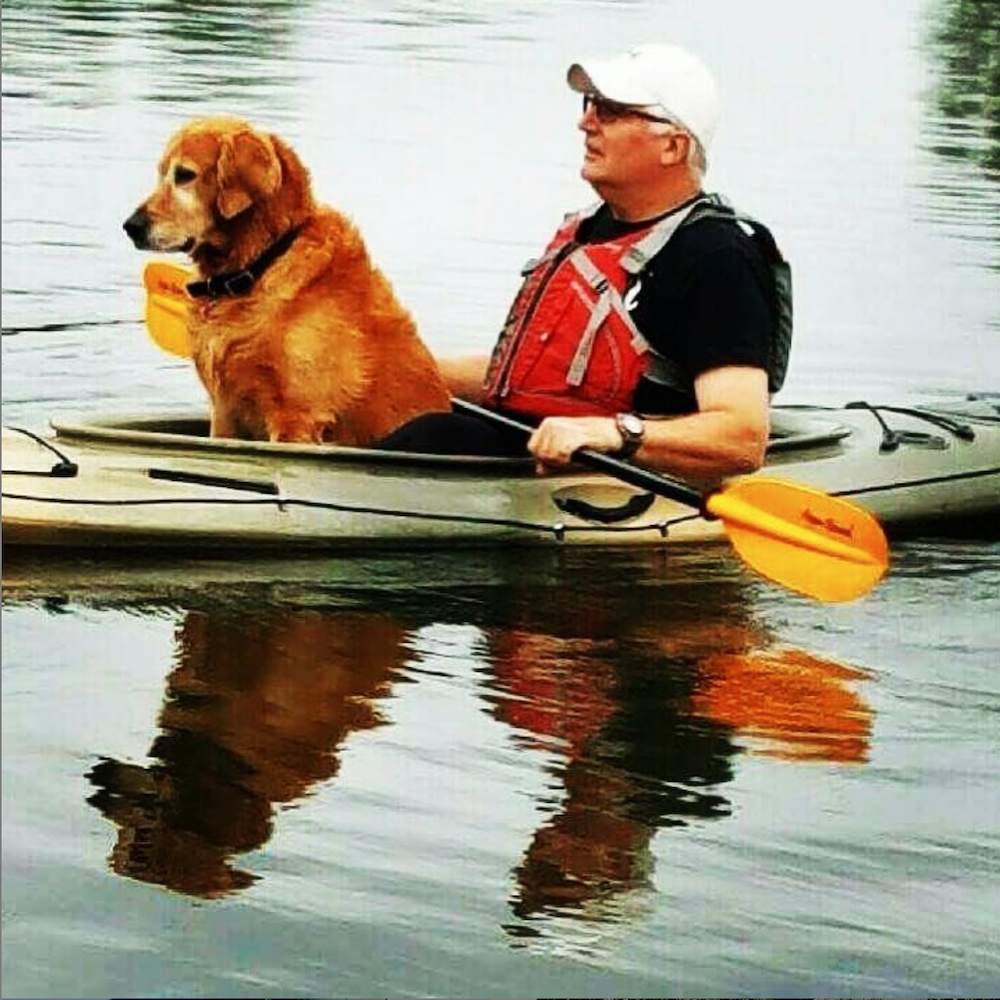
(213, 174)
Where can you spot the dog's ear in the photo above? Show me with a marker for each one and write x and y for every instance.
(248, 170)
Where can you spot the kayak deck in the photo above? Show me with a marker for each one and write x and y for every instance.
(159, 480)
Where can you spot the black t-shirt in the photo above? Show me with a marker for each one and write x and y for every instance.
(705, 301)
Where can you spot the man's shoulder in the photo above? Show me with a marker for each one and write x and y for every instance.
(702, 241)
(711, 234)
(711, 229)
(708, 252)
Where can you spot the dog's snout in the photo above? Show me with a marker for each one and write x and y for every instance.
(137, 227)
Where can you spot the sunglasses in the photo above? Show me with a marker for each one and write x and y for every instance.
(611, 111)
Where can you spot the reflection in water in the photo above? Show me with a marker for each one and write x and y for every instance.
(788, 703)
(640, 693)
(222, 51)
(210, 48)
(965, 39)
(644, 714)
(255, 712)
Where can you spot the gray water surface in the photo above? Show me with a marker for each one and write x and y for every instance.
(503, 774)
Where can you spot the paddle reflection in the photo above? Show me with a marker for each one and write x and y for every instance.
(642, 719)
(636, 696)
(254, 715)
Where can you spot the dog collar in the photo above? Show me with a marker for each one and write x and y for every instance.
(240, 282)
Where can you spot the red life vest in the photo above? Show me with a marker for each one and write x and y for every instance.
(569, 346)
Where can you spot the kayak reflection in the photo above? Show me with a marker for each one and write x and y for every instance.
(254, 714)
(633, 692)
(641, 724)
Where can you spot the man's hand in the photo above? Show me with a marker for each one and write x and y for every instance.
(726, 437)
(556, 439)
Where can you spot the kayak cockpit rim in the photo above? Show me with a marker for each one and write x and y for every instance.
(189, 431)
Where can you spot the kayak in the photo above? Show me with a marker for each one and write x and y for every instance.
(159, 481)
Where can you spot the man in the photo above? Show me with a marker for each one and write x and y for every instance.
(647, 305)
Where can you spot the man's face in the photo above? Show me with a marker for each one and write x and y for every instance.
(623, 146)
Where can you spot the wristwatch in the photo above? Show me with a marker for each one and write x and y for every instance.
(632, 430)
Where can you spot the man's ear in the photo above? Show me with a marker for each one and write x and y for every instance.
(676, 147)
(248, 170)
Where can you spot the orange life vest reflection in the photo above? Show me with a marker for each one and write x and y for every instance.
(644, 735)
(255, 712)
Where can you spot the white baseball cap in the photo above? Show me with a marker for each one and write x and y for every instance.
(663, 79)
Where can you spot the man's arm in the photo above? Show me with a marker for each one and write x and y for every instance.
(464, 376)
(726, 437)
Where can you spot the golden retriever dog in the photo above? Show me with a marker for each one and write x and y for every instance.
(296, 335)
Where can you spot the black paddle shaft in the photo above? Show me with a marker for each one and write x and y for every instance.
(634, 475)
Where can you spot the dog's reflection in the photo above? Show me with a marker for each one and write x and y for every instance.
(640, 704)
(255, 712)
(641, 725)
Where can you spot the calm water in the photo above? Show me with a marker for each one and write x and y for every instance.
(504, 774)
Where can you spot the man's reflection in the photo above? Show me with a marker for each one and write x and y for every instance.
(255, 712)
(643, 707)
(640, 693)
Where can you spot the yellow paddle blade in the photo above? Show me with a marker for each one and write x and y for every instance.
(167, 302)
(805, 539)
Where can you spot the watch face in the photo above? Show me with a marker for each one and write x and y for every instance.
(632, 425)
(632, 430)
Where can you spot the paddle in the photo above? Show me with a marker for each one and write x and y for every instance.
(809, 541)
(167, 304)
(812, 543)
